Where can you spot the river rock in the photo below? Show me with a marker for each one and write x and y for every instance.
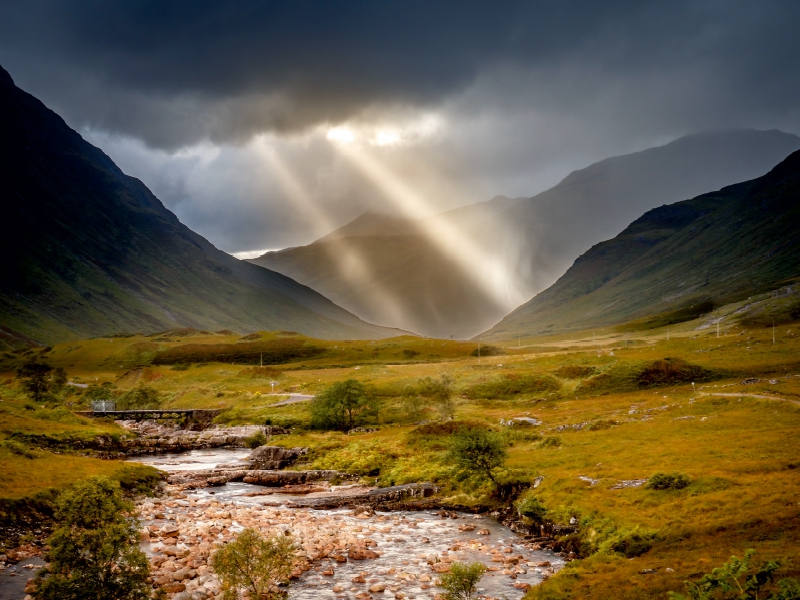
(275, 457)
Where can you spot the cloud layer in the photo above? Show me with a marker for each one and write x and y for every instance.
(187, 95)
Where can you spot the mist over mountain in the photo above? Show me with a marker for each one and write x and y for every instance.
(89, 251)
(677, 262)
(548, 231)
(395, 272)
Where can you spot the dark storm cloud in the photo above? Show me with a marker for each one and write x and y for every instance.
(174, 73)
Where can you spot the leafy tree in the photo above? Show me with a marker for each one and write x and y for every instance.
(734, 581)
(439, 392)
(478, 452)
(462, 581)
(254, 564)
(139, 398)
(59, 379)
(94, 551)
(35, 379)
(341, 405)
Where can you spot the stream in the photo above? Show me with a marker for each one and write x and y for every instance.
(408, 541)
(408, 549)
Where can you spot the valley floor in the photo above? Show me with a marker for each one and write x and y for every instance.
(607, 423)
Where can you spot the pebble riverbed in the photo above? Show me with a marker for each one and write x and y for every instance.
(397, 554)
(345, 553)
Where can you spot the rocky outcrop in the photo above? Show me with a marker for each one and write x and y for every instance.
(272, 458)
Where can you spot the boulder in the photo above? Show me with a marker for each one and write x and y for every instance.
(274, 457)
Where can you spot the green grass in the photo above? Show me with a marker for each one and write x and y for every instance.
(615, 405)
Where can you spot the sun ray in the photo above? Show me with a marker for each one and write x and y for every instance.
(351, 264)
(490, 273)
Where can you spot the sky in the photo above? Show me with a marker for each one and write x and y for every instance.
(264, 125)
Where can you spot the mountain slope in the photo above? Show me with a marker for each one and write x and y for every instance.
(89, 251)
(548, 231)
(678, 260)
(419, 286)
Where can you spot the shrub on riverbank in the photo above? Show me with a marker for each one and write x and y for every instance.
(94, 552)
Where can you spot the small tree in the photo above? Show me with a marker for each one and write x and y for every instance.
(412, 401)
(462, 581)
(439, 392)
(478, 452)
(94, 551)
(254, 564)
(734, 581)
(35, 379)
(341, 405)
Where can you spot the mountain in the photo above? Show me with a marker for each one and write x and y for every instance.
(547, 232)
(88, 251)
(420, 284)
(677, 262)
(393, 270)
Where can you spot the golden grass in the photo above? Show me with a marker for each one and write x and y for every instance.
(739, 451)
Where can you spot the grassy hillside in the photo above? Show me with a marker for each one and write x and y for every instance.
(679, 261)
(87, 250)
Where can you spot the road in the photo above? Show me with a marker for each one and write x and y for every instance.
(292, 399)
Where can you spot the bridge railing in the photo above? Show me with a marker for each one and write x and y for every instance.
(103, 406)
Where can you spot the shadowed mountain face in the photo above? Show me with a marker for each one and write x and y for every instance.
(414, 284)
(392, 270)
(90, 251)
(677, 261)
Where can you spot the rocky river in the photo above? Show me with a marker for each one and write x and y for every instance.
(353, 551)
(348, 546)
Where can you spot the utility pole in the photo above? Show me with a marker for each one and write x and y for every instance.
(773, 332)
(480, 339)
(667, 332)
(262, 359)
(717, 329)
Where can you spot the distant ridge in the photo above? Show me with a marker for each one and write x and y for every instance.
(537, 238)
(677, 261)
(87, 250)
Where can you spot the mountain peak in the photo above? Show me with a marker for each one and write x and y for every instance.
(5, 78)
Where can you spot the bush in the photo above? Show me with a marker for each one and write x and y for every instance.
(462, 581)
(94, 551)
(532, 510)
(633, 543)
(440, 393)
(668, 481)
(671, 371)
(734, 581)
(256, 440)
(254, 564)
(552, 441)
